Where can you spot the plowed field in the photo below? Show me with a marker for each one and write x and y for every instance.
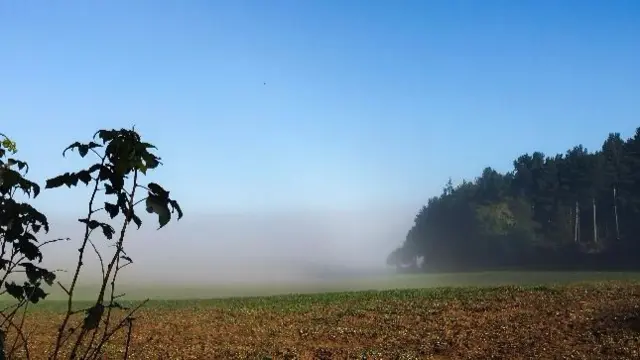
(587, 321)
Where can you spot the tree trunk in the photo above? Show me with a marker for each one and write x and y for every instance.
(595, 224)
(571, 220)
(576, 232)
(615, 212)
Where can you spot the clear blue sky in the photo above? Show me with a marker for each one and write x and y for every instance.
(366, 103)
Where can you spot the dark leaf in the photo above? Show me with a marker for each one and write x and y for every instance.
(35, 293)
(112, 209)
(106, 135)
(69, 179)
(55, 182)
(141, 166)
(28, 249)
(117, 181)
(71, 147)
(159, 206)
(94, 168)
(108, 189)
(28, 187)
(27, 236)
(35, 274)
(107, 230)
(136, 220)
(9, 178)
(147, 145)
(158, 191)
(84, 176)
(49, 277)
(121, 167)
(150, 161)
(94, 314)
(21, 164)
(176, 207)
(15, 290)
(83, 149)
(92, 224)
(32, 272)
(105, 173)
(122, 201)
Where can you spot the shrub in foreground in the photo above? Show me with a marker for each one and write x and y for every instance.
(115, 180)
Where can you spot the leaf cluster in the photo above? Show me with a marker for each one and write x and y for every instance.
(19, 224)
(124, 155)
(122, 158)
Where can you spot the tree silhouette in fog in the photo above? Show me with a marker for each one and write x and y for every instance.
(578, 210)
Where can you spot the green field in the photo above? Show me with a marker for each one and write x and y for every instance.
(175, 293)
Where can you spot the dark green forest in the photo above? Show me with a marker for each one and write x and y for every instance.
(574, 211)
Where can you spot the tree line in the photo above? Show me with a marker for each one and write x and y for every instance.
(579, 210)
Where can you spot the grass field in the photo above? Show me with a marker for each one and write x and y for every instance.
(596, 318)
(360, 283)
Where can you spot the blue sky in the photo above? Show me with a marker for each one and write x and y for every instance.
(366, 103)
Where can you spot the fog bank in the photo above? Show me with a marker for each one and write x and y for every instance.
(245, 248)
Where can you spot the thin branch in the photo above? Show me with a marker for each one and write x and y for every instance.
(144, 187)
(109, 334)
(95, 152)
(114, 264)
(89, 346)
(63, 326)
(24, 317)
(139, 201)
(52, 241)
(99, 256)
(63, 288)
(19, 332)
(128, 344)
(10, 306)
(13, 312)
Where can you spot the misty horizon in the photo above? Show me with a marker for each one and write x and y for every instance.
(251, 247)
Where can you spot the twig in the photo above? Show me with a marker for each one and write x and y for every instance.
(99, 257)
(65, 321)
(20, 334)
(24, 317)
(64, 288)
(128, 344)
(115, 260)
(108, 335)
(52, 241)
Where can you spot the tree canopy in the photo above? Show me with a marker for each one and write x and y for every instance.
(577, 210)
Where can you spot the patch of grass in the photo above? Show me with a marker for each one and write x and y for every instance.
(394, 281)
(303, 301)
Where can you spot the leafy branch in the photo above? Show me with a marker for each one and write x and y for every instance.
(122, 160)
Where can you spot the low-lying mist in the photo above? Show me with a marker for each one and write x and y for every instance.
(250, 248)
